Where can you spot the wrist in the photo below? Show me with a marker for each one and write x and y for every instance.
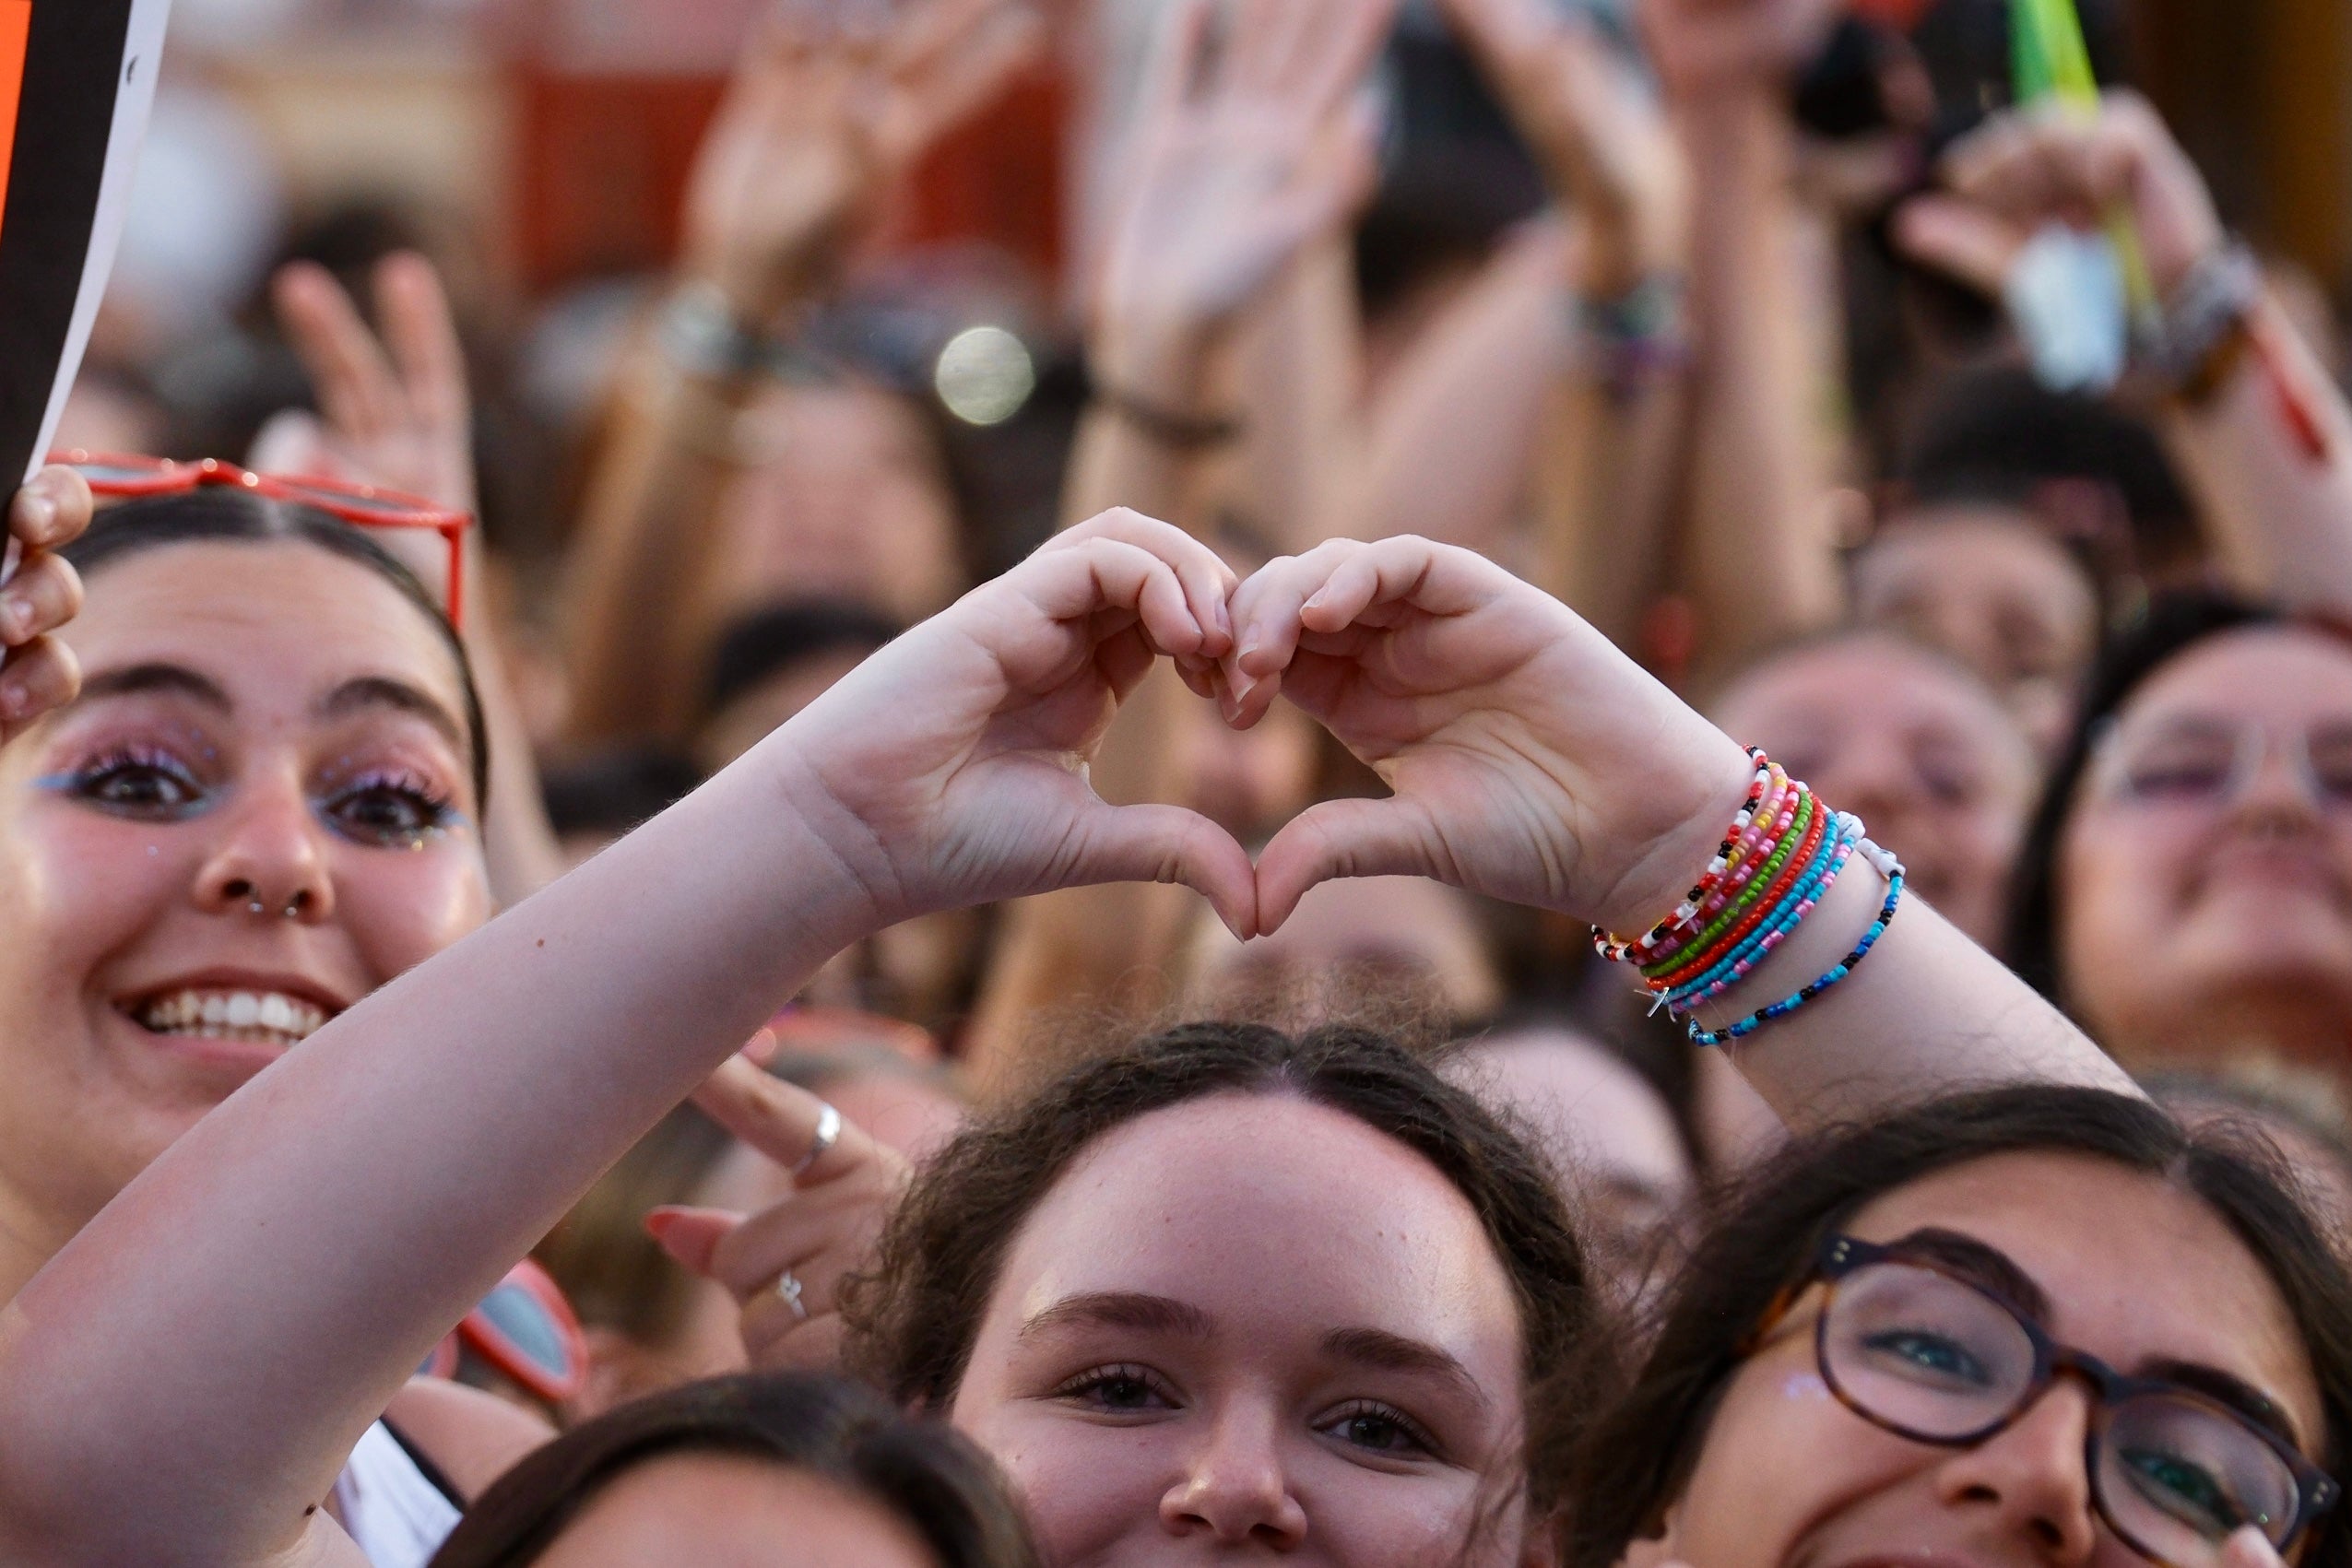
(1676, 857)
(1161, 360)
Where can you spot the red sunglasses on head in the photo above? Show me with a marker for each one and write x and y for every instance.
(364, 506)
(525, 1330)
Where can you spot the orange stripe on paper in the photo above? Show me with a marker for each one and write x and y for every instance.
(15, 33)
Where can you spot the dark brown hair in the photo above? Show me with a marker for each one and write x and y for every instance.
(1635, 1461)
(932, 1478)
(913, 1321)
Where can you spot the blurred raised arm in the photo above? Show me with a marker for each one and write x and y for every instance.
(825, 116)
(1759, 557)
(2259, 429)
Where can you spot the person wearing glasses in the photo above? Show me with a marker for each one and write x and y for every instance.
(2028, 1326)
(2185, 890)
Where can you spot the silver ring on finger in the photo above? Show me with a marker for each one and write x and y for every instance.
(791, 1289)
(828, 1134)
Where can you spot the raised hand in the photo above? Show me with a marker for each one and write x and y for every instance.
(951, 768)
(37, 671)
(1232, 167)
(1602, 141)
(2062, 164)
(830, 109)
(1530, 760)
(396, 411)
(815, 1237)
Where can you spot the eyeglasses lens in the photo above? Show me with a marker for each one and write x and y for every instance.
(1931, 1357)
(518, 1315)
(2176, 1478)
(1923, 1354)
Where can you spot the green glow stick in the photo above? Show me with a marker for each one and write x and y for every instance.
(2049, 61)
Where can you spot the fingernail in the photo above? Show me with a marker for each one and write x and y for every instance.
(13, 703)
(40, 512)
(16, 616)
(1317, 599)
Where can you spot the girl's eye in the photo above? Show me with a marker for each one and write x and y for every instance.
(393, 813)
(1925, 1350)
(145, 787)
(1379, 1429)
(1118, 1390)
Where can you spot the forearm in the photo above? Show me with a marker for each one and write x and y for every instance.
(1142, 372)
(647, 528)
(1759, 557)
(1460, 420)
(288, 1262)
(2269, 456)
(1927, 1012)
(1299, 383)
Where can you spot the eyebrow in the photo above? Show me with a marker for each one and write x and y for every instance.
(382, 691)
(1980, 1265)
(1394, 1352)
(149, 679)
(1123, 1309)
(2228, 1389)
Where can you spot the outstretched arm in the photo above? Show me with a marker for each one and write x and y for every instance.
(2264, 436)
(823, 119)
(1235, 167)
(287, 1262)
(1611, 408)
(1533, 762)
(1759, 558)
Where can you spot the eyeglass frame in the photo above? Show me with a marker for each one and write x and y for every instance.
(1842, 1255)
(2245, 765)
(400, 509)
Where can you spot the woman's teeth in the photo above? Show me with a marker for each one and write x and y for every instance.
(260, 1018)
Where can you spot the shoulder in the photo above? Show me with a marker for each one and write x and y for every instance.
(471, 1437)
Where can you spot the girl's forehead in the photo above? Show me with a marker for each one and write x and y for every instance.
(280, 617)
(2261, 669)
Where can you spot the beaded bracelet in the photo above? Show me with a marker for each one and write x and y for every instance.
(1788, 858)
(1888, 866)
(1618, 949)
(1803, 884)
(1737, 966)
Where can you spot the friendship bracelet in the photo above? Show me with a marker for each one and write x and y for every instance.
(1752, 897)
(1688, 998)
(1618, 949)
(1893, 870)
(1758, 856)
(1792, 903)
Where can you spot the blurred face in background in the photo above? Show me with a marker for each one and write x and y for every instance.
(260, 810)
(1387, 944)
(1991, 587)
(1920, 751)
(2203, 880)
(1623, 1165)
(845, 496)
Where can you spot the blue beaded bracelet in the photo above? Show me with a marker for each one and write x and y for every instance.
(1845, 967)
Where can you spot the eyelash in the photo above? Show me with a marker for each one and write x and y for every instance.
(432, 808)
(1095, 1379)
(141, 764)
(1360, 1410)
(100, 782)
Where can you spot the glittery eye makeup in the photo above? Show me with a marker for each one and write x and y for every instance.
(138, 781)
(388, 808)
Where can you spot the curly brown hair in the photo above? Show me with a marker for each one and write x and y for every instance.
(912, 1321)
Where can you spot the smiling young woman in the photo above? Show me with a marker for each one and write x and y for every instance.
(2033, 1325)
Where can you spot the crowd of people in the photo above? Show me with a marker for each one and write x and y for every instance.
(1579, 852)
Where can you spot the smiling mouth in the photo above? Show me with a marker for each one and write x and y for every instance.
(249, 1018)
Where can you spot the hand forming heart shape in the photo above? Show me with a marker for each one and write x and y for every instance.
(1530, 760)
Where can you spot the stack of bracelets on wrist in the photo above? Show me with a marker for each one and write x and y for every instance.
(1779, 860)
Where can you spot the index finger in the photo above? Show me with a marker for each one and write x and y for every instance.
(1208, 583)
(781, 1121)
